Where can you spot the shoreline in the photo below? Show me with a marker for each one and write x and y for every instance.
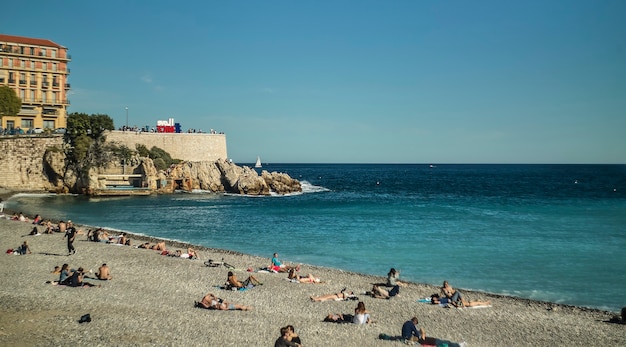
(150, 299)
(183, 245)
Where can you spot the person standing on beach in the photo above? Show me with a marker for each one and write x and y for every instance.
(70, 233)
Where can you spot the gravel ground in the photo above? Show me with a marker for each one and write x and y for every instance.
(150, 299)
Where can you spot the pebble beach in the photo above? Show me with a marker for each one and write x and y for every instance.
(150, 302)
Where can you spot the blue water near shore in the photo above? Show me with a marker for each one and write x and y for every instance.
(546, 232)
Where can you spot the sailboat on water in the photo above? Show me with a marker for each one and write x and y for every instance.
(258, 162)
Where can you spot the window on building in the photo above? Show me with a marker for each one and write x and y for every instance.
(54, 66)
(23, 64)
(10, 125)
(44, 65)
(48, 124)
(32, 64)
(43, 97)
(32, 95)
(22, 50)
(22, 91)
(54, 97)
(32, 51)
(42, 52)
(33, 79)
(54, 53)
(27, 123)
(10, 62)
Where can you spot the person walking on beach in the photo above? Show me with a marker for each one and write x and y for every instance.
(70, 233)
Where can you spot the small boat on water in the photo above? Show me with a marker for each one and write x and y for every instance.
(258, 162)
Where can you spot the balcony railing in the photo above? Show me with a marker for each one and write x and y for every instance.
(55, 84)
(22, 81)
(44, 84)
(67, 86)
(11, 80)
(2, 80)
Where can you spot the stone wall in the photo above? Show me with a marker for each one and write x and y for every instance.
(21, 161)
(184, 146)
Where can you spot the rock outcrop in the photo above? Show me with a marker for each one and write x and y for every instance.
(218, 176)
(224, 176)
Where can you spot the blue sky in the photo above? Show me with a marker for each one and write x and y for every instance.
(354, 81)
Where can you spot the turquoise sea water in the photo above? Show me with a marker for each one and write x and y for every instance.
(546, 232)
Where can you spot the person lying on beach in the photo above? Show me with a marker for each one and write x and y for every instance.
(293, 275)
(341, 296)
(361, 315)
(212, 302)
(435, 299)
(145, 245)
(380, 293)
(339, 318)
(57, 270)
(392, 278)
(193, 254)
(104, 273)
(283, 340)
(159, 246)
(232, 282)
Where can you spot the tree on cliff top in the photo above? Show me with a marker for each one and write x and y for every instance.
(10, 103)
(85, 136)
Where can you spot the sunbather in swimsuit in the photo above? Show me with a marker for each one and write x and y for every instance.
(343, 295)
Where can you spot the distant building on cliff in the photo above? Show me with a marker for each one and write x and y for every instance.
(37, 70)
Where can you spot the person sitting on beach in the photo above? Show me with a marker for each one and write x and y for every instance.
(452, 294)
(22, 218)
(76, 280)
(193, 254)
(62, 227)
(392, 278)
(361, 315)
(65, 274)
(37, 220)
(232, 282)
(380, 293)
(24, 249)
(411, 333)
(278, 266)
(34, 232)
(212, 302)
(104, 273)
(49, 227)
(293, 337)
(341, 296)
(293, 275)
(283, 340)
(436, 299)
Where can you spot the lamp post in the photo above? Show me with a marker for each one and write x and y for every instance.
(126, 117)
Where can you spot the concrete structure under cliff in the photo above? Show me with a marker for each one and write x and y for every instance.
(184, 146)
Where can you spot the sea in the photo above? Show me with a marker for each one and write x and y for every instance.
(554, 233)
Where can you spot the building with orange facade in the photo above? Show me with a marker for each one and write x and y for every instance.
(36, 69)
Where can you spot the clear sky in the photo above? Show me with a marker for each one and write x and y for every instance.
(402, 81)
